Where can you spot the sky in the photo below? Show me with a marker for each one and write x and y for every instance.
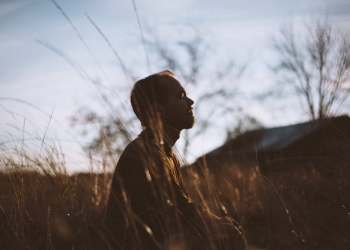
(36, 83)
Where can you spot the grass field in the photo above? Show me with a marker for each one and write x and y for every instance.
(307, 207)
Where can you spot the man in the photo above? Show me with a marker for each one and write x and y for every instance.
(149, 206)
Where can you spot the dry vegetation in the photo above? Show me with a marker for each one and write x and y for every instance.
(42, 207)
(305, 207)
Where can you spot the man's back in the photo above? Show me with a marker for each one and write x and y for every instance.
(149, 207)
(148, 201)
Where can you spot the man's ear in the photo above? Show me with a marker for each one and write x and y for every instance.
(157, 109)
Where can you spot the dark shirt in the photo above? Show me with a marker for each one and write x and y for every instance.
(149, 201)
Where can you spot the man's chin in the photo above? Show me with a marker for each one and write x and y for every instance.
(190, 124)
(187, 123)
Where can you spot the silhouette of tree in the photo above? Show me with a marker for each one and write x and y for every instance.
(244, 124)
(210, 83)
(111, 132)
(316, 65)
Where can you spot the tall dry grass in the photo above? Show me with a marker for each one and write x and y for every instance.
(42, 206)
(305, 206)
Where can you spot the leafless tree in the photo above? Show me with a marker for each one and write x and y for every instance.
(111, 131)
(244, 124)
(316, 65)
(213, 85)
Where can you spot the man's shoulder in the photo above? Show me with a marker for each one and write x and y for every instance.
(138, 147)
(132, 149)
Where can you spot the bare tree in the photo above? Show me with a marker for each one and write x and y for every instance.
(212, 84)
(111, 132)
(316, 65)
(244, 124)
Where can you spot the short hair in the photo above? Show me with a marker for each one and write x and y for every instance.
(146, 92)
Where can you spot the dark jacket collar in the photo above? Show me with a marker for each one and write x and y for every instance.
(156, 138)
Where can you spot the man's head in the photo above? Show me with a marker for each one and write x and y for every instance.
(162, 95)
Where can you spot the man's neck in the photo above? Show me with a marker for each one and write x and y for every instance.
(171, 135)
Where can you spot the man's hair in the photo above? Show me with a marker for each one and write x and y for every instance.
(146, 92)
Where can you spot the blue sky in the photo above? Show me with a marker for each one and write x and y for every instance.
(32, 73)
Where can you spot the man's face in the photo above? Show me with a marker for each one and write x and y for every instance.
(178, 111)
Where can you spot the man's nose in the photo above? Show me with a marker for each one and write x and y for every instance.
(190, 101)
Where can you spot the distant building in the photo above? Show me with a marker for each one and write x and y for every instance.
(318, 143)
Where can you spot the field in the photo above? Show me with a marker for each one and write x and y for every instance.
(42, 207)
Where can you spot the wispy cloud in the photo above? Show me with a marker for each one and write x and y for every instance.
(8, 7)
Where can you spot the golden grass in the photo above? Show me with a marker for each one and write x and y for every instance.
(306, 207)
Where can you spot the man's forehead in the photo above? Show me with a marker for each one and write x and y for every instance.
(172, 85)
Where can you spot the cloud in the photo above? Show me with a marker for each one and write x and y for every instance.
(7, 7)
